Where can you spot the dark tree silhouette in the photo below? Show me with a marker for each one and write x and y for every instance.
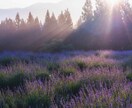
(87, 14)
(30, 20)
(47, 22)
(68, 20)
(18, 21)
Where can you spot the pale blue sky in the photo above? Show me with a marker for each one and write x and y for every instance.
(21, 3)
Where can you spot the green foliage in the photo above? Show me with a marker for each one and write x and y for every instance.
(37, 100)
(129, 76)
(34, 100)
(67, 71)
(6, 61)
(53, 66)
(67, 89)
(81, 64)
(12, 81)
(94, 64)
(98, 82)
(42, 76)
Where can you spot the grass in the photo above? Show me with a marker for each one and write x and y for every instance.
(42, 76)
(67, 71)
(37, 100)
(81, 64)
(67, 89)
(83, 80)
(6, 61)
(53, 66)
(129, 77)
(12, 81)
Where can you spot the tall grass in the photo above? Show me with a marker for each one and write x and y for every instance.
(97, 79)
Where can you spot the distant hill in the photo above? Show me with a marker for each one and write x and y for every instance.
(39, 9)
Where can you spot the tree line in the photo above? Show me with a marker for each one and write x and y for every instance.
(103, 27)
(100, 27)
(32, 34)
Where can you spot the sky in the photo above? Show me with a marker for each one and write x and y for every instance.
(4, 4)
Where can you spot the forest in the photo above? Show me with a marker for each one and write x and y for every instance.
(98, 28)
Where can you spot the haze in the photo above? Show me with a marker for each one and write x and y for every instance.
(4, 4)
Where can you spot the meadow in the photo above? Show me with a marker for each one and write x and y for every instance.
(94, 79)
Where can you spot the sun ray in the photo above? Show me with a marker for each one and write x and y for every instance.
(112, 3)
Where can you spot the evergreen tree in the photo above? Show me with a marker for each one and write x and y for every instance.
(18, 21)
(53, 19)
(47, 22)
(23, 24)
(127, 12)
(54, 24)
(36, 21)
(87, 14)
(68, 20)
(36, 24)
(61, 20)
(101, 10)
(30, 19)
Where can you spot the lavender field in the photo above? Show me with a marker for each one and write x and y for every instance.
(94, 79)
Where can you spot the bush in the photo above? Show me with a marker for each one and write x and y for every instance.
(42, 76)
(129, 77)
(67, 71)
(67, 89)
(10, 102)
(97, 82)
(6, 61)
(53, 66)
(82, 65)
(37, 100)
(12, 81)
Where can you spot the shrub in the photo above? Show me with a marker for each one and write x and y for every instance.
(67, 71)
(42, 76)
(82, 65)
(12, 81)
(9, 101)
(16, 80)
(53, 66)
(67, 89)
(129, 77)
(98, 81)
(37, 100)
(6, 61)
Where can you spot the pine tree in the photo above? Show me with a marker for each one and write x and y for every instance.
(30, 19)
(68, 20)
(127, 12)
(61, 20)
(47, 22)
(101, 9)
(23, 24)
(37, 23)
(87, 14)
(54, 24)
(18, 21)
